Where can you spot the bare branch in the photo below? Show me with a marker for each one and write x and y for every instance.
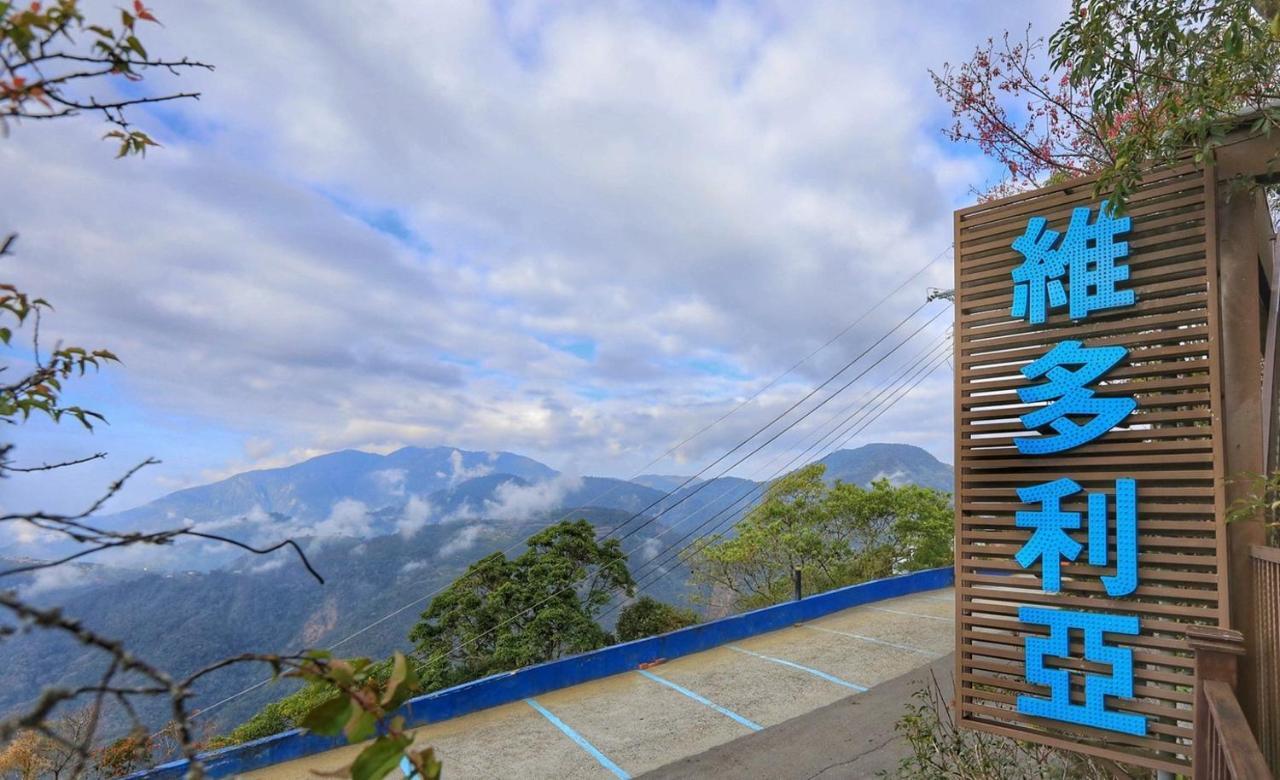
(52, 466)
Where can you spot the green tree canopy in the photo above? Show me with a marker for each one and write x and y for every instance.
(836, 536)
(1127, 84)
(647, 616)
(508, 613)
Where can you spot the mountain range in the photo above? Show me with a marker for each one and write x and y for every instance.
(385, 531)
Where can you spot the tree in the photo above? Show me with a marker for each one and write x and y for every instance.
(72, 729)
(647, 616)
(1128, 83)
(124, 756)
(505, 613)
(892, 528)
(25, 757)
(835, 536)
(54, 64)
(789, 529)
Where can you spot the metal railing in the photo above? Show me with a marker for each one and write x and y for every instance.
(1225, 748)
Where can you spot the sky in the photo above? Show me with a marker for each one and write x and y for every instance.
(576, 231)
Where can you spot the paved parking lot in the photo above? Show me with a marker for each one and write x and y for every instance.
(630, 723)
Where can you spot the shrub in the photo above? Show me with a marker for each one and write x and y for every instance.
(939, 748)
(649, 617)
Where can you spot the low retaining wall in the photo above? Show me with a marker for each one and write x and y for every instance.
(565, 672)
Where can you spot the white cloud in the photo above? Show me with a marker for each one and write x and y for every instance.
(55, 579)
(271, 564)
(417, 513)
(513, 501)
(648, 550)
(462, 541)
(348, 517)
(413, 566)
(458, 472)
(391, 481)
(693, 194)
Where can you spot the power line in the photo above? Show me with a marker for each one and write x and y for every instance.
(657, 574)
(821, 404)
(932, 356)
(866, 399)
(511, 548)
(566, 588)
(790, 409)
(910, 364)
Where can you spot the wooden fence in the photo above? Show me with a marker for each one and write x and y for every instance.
(1265, 562)
(1225, 748)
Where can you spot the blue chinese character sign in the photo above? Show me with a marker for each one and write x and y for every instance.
(1070, 397)
(1084, 261)
(1085, 471)
(1118, 683)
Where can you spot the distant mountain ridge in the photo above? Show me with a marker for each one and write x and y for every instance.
(901, 464)
(360, 494)
(384, 530)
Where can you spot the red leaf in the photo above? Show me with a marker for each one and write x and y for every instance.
(142, 12)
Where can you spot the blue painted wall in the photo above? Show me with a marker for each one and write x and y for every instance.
(553, 675)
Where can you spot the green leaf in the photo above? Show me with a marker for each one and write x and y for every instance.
(136, 46)
(380, 758)
(361, 726)
(21, 38)
(342, 672)
(401, 683)
(328, 718)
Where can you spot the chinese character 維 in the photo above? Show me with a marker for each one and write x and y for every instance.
(1050, 544)
(1093, 712)
(1087, 256)
(1040, 275)
(1070, 397)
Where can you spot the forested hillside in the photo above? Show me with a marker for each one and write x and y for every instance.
(381, 542)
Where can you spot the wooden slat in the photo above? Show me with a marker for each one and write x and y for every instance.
(1168, 444)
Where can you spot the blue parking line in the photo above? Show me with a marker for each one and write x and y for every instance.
(794, 665)
(871, 639)
(702, 700)
(581, 740)
(912, 614)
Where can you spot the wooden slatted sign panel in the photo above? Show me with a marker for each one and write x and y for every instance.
(1088, 475)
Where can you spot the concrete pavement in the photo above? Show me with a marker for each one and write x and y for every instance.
(640, 721)
(851, 738)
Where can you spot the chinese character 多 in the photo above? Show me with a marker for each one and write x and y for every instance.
(1086, 256)
(1070, 397)
(1051, 545)
(1093, 712)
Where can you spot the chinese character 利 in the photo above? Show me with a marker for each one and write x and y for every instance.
(1050, 544)
(1049, 541)
(1071, 397)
